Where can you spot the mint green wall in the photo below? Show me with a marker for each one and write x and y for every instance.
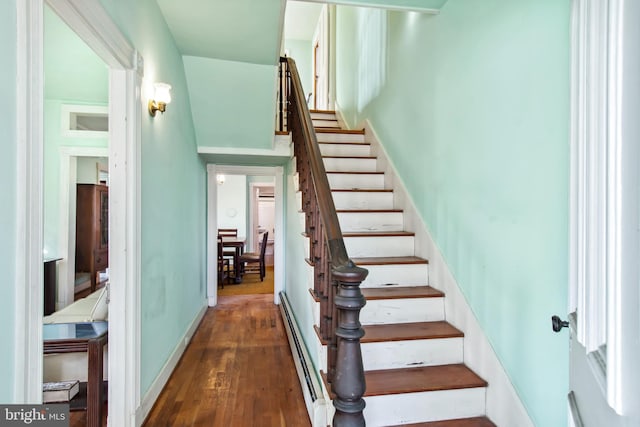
(296, 268)
(302, 52)
(8, 194)
(472, 107)
(173, 193)
(233, 103)
(72, 70)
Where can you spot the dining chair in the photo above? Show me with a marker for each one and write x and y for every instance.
(223, 273)
(228, 232)
(253, 262)
(231, 232)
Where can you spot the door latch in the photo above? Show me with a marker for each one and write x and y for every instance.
(557, 323)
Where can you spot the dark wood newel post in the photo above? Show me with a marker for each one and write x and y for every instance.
(349, 383)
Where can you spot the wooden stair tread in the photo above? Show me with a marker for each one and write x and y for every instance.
(311, 110)
(389, 260)
(368, 210)
(420, 379)
(356, 173)
(362, 190)
(340, 131)
(460, 422)
(350, 157)
(410, 331)
(344, 143)
(401, 292)
(378, 234)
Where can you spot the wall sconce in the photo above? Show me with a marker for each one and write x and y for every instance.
(220, 178)
(161, 98)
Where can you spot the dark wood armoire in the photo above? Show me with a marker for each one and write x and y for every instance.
(92, 230)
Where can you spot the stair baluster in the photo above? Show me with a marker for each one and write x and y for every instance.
(336, 278)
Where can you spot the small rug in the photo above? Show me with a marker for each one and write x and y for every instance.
(250, 285)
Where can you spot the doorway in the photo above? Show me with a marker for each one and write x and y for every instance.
(94, 26)
(217, 215)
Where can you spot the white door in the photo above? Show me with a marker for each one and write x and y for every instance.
(605, 215)
(321, 62)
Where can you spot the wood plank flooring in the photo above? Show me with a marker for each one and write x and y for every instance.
(237, 371)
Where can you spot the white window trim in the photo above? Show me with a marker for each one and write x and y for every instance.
(68, 109)
(597, 278)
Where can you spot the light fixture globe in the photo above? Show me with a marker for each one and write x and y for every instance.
(161, 97)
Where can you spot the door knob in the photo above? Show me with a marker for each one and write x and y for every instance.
(557, 323)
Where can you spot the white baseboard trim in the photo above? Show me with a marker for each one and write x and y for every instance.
(575, 419)
(312, 391)
(503, 405)
(158, 384)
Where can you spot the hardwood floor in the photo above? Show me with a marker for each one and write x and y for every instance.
(237, 371)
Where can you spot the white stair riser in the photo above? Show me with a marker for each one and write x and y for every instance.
(322, 116)
(381, 276)
(315, 310)
(307, 248)
(299, 200)
(354, 181)
(345, 149)
(424, 406)
(412, 353)
(370, 221)
(349, 164)
(377, 312)
(320, 123)
(406, 354)
(339, 137)
(379, 246)
(362, 200)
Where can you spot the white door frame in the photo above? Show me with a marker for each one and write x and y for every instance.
(95, 27)
(67, 228)
(254, 218)
(212, 221)
(322, 39)
(605, 201)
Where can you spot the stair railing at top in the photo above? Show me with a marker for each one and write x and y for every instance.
(336, 278)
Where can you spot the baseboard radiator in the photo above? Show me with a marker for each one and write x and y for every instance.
(311, 389)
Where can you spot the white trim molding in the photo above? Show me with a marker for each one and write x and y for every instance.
(282, 148)
(605, 197)
(67, 224)
(27, 347)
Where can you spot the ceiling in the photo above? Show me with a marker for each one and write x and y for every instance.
(252, 30)
(233, 30)
(300, 20)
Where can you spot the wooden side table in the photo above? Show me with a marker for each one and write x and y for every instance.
(88, 337)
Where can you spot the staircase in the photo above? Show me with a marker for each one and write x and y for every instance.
(413, 358)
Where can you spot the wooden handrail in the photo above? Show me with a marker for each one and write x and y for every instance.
(336, 278)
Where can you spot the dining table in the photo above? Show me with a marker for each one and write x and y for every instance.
(237, 244)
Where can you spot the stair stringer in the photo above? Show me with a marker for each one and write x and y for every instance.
(503, 405)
